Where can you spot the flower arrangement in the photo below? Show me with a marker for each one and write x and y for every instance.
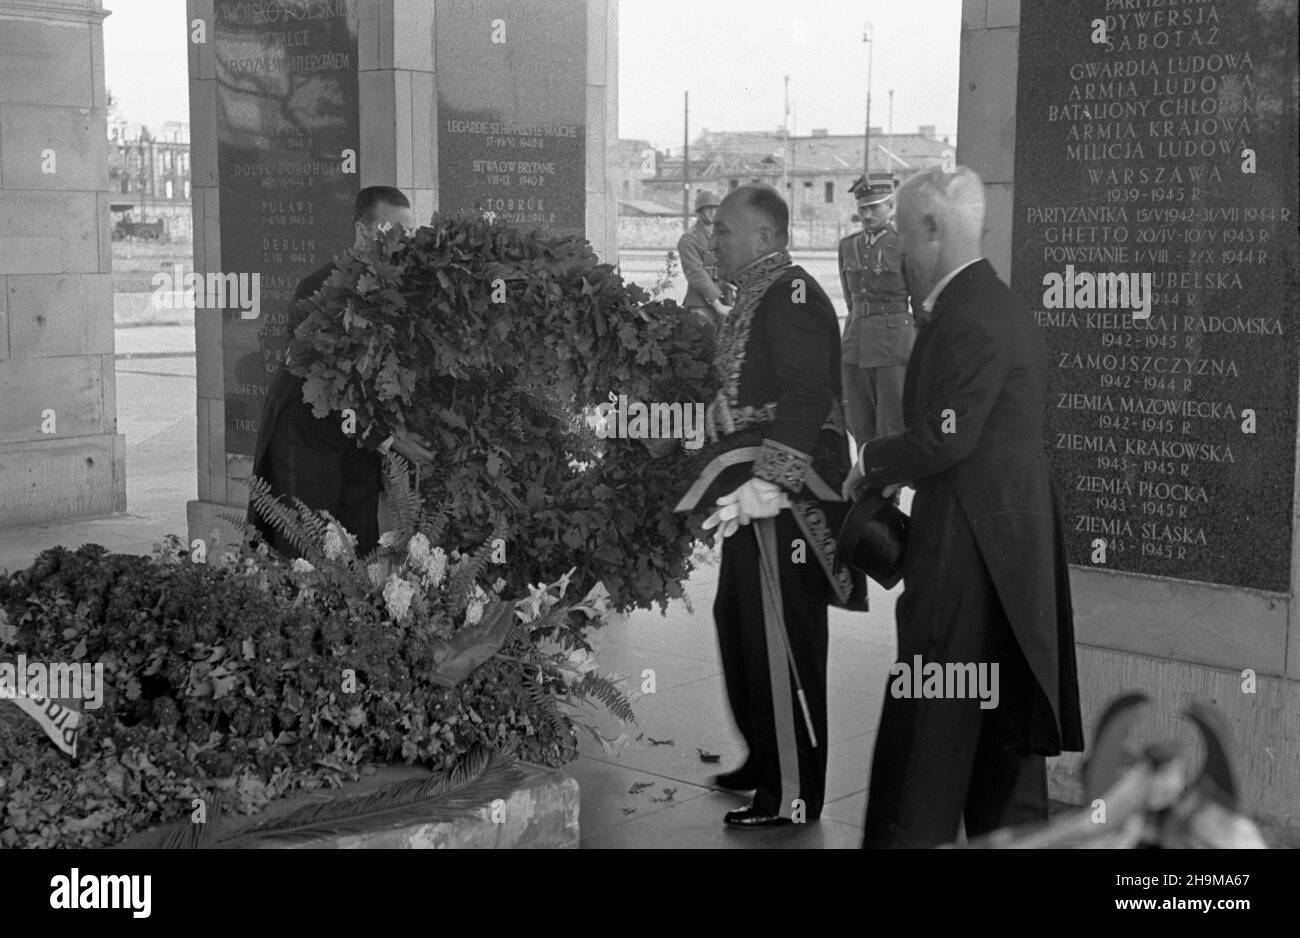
(444, 598)
(245, 678)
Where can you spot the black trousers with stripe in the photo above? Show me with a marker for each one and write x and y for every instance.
(781, 755)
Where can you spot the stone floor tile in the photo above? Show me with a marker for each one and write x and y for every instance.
(697, 824)
(613, 794)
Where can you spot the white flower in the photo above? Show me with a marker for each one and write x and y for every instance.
(563, 582)
(333, 544)
(474, 612)
(388, 539)
(339, 544)
(437, 566)
(431, 563)
(418, 548)
(300, 565)
(499, 585)
(581, 660)
(532, 606)
(398, 594)
(376, 573)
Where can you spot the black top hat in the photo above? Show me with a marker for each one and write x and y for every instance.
(873, 539)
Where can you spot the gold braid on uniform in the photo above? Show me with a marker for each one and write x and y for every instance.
(812, 521)
(783, 465)
(729, 356)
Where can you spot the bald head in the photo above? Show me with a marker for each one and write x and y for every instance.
(940, 223)
(751, 221)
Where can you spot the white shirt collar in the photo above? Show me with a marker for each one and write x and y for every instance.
(933, 298)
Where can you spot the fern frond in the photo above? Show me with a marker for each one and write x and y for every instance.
(606, 691)
(480, 777)
(434, 522)
(544, 701)
(239, 523)
(183, 834)
(301, 525)
(405, 500)
(460, 586)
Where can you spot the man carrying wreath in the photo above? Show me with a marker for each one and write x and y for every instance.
(312, 458)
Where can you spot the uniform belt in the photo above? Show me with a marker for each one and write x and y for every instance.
(869, 308)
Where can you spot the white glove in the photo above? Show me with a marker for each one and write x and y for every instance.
(721, 307)
(757, 498)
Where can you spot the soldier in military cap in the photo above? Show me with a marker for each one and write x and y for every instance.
(704, 294)
(881, 330)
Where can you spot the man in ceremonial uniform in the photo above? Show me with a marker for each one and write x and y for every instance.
(880, 331)
(771, 473)
(704, 294)
(987, 581)
(312, 458)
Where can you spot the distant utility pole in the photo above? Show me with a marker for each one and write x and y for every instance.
(891, 117)
(786, 192)
(785, 144)
(686, 161)
(868, 31)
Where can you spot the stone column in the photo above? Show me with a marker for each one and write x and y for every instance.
(60, 453)
(397, 144)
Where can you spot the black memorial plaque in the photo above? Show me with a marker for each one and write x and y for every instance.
(286, 112)
(1133, 151)
(512, 106)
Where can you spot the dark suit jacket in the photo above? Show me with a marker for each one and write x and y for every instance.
(311, 458)
(980, 364)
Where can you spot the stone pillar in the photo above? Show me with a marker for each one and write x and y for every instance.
(397, 140)
(1192, 627)
(60, 453)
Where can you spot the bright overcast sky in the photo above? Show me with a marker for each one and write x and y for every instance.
(731, 55)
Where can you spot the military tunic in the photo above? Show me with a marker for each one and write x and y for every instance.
(700, 268)
(879, 334)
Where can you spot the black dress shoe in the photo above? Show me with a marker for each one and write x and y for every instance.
(736, 780)
(749, 817)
